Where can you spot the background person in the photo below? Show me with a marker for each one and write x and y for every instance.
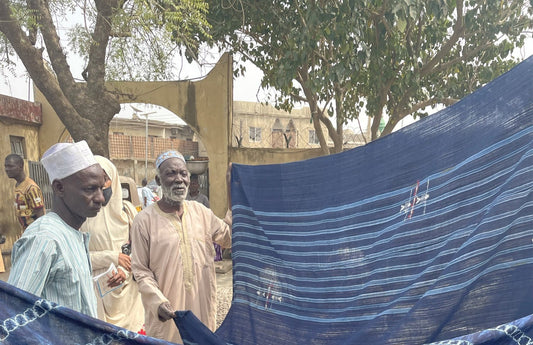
(109, 234)
(51, 259)
(29, 201)
(194, 192)
(172, 252)
(147, 196)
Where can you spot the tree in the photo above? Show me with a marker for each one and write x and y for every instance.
(118, 40)
(397, 58)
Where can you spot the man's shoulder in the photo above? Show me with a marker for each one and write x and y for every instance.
(196, 206)
(146, 213)
(49, 222)
(28, 184)
(43, 229)
(146, 190)
(203, 197)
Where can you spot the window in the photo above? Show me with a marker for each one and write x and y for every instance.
(255, 134)
(313, 138)
(18, 145)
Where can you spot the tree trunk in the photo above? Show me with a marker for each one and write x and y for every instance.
(84, 109)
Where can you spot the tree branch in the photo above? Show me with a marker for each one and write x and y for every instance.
(458, 30)
(32, 59)
(469, 54)
(53, 47)
(100, 36)
(424, 104)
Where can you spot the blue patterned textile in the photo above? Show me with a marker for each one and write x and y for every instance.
(26, 319)
(422, 236)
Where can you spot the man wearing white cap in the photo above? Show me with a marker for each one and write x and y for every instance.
(172, 252)
(51, 259)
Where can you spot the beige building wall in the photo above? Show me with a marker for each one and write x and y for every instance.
(138, 127)
(9, 225)
(248, 117)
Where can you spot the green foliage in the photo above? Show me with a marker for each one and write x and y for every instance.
(381, 57)
(185, 21)
(117, 40)
(146, 36)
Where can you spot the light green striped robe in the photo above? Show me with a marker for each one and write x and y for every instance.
(51, 260)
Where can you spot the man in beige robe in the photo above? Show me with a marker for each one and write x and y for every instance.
(173, 254)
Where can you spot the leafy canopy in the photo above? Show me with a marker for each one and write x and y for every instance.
(393, 58)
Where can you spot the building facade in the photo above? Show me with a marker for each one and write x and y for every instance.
(256, 125)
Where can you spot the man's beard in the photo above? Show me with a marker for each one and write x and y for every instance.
(174, 197)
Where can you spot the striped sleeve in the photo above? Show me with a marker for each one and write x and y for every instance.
(31, 258)
(34, 197)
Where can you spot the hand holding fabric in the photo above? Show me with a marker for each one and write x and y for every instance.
(165, 312)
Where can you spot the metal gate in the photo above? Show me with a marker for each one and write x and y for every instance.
(40, 176)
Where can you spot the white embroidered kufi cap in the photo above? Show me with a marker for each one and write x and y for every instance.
(166, 155)
(64, 159)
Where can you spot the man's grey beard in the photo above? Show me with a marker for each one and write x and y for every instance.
(173, 198)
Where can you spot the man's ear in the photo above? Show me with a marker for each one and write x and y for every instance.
(157, 180)
(58, 187)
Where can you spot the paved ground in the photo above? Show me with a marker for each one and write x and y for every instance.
(224, 288)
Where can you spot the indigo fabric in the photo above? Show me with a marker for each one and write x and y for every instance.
(26, 319)
(422, 236)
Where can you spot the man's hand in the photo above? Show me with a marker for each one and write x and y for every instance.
(165, 312)
(118, 278)
(124, 261)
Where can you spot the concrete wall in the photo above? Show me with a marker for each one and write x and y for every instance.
(52, 131)
(295, 124)
(253, 156)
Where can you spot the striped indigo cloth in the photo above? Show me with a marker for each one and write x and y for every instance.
(422, 236)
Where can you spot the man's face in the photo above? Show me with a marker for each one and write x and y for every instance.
(174, 180)
(194, 186)
(82, 191)
(13, 169)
